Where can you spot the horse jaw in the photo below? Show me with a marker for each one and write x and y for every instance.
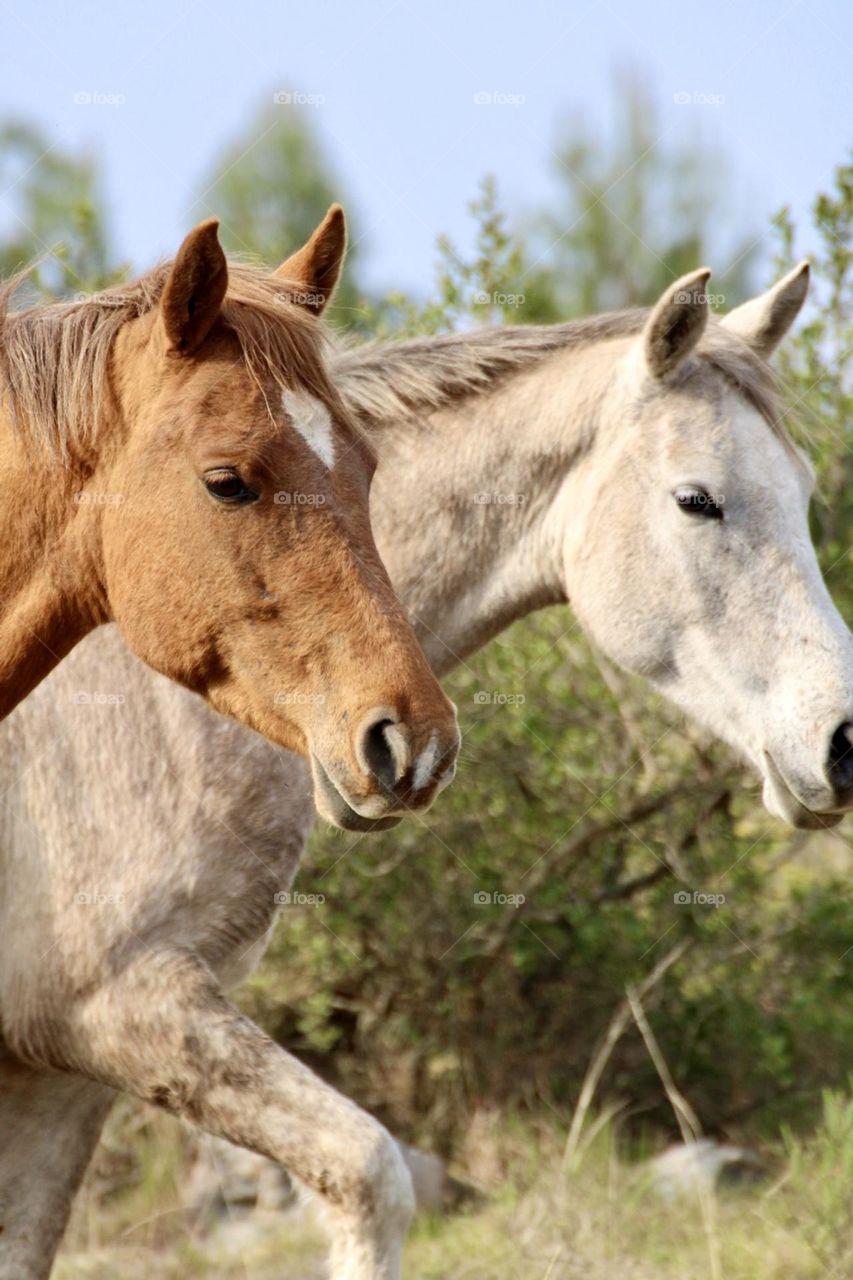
(332, 806)
(781, 801)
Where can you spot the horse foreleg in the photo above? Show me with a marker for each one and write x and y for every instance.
(49, 1126)
(162, 1030)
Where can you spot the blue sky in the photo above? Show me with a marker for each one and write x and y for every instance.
(392, 88)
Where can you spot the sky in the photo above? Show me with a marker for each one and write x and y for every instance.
(414, 102)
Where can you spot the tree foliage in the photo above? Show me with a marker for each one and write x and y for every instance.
(634, 210)
(271, 187)
(56, 213)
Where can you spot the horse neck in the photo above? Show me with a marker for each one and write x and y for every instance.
(43, 611)
(466, 505)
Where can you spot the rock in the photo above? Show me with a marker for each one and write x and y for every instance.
(703, 1165)
(229, 1182)
(429, 1178)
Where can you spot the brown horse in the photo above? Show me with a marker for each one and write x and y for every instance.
(184, 467)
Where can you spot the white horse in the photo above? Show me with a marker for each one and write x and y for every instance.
(635, 465)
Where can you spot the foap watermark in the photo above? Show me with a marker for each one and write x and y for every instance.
(110, 296)
(285, 498)
(484, 898)
(312, 299)
(696, 98)
(85, 699)
(698, 898)
(298, 698)
(498, 698)
(295, 98)
(99, 898)
(499, 98)
(699, 700)
(500, 499)
(87, 498)
(288, 898)
(97, 98)
(498, 299)
(714, 300)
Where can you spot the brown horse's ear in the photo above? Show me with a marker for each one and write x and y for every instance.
(194, 291)
(315, 267)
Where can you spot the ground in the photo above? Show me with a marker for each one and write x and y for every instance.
(596, 1219)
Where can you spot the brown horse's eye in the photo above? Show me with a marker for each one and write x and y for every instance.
(226, 486)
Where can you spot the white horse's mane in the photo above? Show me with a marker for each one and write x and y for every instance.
(393, 381)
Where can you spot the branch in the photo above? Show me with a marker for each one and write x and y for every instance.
(601, 1057)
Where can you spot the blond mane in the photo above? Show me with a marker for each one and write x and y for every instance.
(55, 356)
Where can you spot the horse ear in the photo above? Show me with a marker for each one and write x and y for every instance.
(193, 294)
(315, 267)
(677, 322)
(764, 321)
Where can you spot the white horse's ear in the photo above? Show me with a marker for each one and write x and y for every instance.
(677, 322)
(764, 321)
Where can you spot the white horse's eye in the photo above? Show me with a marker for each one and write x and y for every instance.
(699, 502)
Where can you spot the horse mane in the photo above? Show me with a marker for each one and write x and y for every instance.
(55, 356)
(386, 382)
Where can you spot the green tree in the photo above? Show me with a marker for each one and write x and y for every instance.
(57, 213)
(818, 370)
(634, 212)
(492, 286)
(271, 186)
(630, 216)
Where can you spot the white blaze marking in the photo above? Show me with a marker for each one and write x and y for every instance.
(313, 421)
(426, 763)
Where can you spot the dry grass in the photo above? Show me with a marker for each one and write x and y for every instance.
(599, 1219)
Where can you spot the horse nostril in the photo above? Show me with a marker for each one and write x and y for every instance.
(840, 763)
(382, 750)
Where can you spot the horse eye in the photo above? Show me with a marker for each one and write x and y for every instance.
(226, 486)
(698, 502)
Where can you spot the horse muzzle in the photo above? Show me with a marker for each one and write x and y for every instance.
(395, 771)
